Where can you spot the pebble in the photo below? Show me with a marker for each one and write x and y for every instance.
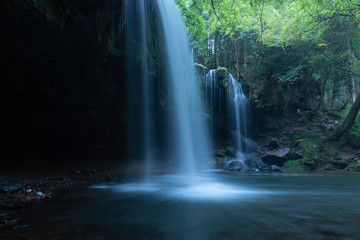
(29, 190)
(40, 194)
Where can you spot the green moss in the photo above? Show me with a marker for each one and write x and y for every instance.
(294, 166)
(311, 149)
(200, 66)
(291, 163)
(295, 169)
(222, 70)
(329, 166)
(230, 151)
(221, 154)
(274, 143)
(354, 166)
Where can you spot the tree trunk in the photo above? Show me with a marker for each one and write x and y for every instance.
(217, 64)
(322, 102)
(349, 121)
(353, 89)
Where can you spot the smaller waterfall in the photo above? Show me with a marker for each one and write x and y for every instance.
(228, 109)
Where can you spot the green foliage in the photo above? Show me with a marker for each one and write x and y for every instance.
(291, 163)
(293, 166)
(200, 66)
(272, 44)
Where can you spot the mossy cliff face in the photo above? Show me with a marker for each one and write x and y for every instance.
(62, 80)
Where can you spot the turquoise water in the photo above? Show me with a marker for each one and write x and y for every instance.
(258, 206)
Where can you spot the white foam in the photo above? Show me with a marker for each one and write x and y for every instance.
(189, 188)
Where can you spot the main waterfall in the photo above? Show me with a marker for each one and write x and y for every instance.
(186, 141)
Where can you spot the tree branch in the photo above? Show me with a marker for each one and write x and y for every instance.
(213, 6)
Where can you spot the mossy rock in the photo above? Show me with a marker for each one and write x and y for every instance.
(354, 167)
(199, 67)
(338, 163)
(274, 143)
(295, 169)
(221, 70)
(294, 166)
(329, 166)
(293, 155)
(311, 150)
(308, 162)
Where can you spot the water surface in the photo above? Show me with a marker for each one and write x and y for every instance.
(212, 205)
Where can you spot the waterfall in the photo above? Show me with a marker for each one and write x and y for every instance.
(229, 110)
(184, 136)
(189, 133)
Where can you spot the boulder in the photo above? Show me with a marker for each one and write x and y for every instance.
(249, 162)
(234, 165)
(253, 160)
(355, 167)
(276, 157)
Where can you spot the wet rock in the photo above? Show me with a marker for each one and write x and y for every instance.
(22, 226)
(7, 187)
(234, 165)
(75, 172)
(86, 171)
(253, 160)
(355, 167)
(93, 171)
(29, 190)
(276, 157)
(270, 168)
(249, 145)
(111, 178)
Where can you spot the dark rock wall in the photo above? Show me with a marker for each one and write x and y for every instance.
(62, 78)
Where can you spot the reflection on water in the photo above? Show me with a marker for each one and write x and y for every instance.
(231, 207)
(198, 187)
